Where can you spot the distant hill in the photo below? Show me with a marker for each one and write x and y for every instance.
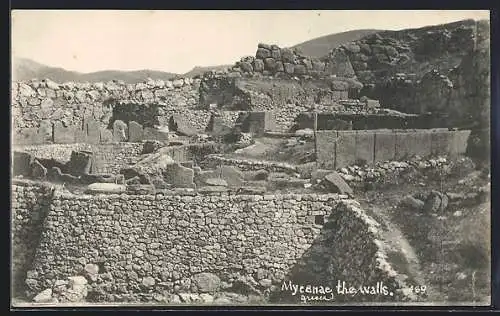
(197, 71)
(26, 69)
(320, 46)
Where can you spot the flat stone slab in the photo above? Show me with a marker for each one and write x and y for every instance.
(335, 181)
(106, 188)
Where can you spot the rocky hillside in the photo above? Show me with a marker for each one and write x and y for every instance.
(320, 46)
(442, 69)
(380, 56)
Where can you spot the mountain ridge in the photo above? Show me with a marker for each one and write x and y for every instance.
(27, 69)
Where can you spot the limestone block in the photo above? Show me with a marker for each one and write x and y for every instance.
(120, 133)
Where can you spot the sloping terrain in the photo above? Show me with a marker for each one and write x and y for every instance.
(381, 55)
(26, 69)
(198, 70)
(320, 46)
(450, 248)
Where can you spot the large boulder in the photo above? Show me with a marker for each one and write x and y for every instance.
(179, 176)
(258, 65)
(246, 66)
(262, 53)
(151, 146)
(155, 134)
(22, 163)
(413, 202)
(73, 290)
(181, 126)
(287, 55)
(435, 202)
(80, 162)
(150, 166)
(206, 282)
(232, 175)
(44, 296)
(337, 184)
(120, 131)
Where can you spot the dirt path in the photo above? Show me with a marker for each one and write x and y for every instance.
(397, 244)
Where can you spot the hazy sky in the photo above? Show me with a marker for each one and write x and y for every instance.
(176, 41)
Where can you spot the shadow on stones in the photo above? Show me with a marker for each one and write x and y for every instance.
(337, 254)
(27, 241)
(144, 114)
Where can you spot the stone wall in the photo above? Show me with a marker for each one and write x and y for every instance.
(379, 56)
(285, 97)
(329, 265)
(213, 161)
(338, 149)
(271, 60)
(111, 158)
(150, 245)
(29, 206)
(367, 121)
(107, 158)
(34, 102)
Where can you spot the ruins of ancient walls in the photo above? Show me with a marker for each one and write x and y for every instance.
(111, 158)
(338, 149)
(438, 69)
(283, 62)
(382, 55)
(38, 103)
(157, 244)
(286, 98)
(30, 204)
(369, 121)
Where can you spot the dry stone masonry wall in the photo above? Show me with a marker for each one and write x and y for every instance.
(34, 102)
(111, 158)
(271, 60)
(366, 263)
(29, 206)
(285, 97)
(147, 245)
(107, 158)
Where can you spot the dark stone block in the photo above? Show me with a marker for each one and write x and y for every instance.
(135, 132)
(80, 162)
(179, 176)
(21, 164)
(180, 125)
